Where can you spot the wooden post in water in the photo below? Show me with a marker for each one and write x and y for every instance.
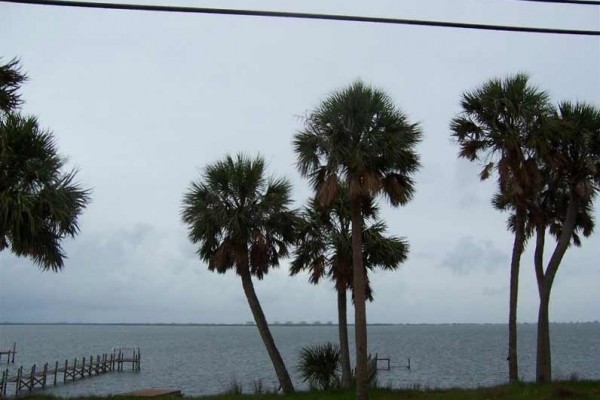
(5, 389)
(408, 363)
(19, 377)
(55, 372)
(45, 375)
(3, 383)
(74, 368)
(31, 378)
(65, 371)
(14, 350)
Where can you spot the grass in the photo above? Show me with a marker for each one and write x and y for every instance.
(525, 391)
(558, 390)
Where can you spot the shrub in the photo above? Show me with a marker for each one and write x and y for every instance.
(319, 366)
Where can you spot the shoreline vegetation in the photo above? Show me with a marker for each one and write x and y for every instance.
(569, 389)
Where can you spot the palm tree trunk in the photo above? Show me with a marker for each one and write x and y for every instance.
(360, 312)
(263, 328)
(343, 331)
(545, 281)
(543, 370)
(513, 366)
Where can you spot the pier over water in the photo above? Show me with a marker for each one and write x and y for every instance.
(61, 373)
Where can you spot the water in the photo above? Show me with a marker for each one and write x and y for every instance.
(202, 360)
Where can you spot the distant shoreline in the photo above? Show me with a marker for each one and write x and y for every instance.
(300, 324)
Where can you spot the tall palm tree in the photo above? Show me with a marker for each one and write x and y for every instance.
(357, 136)
(565, 205)
(499, 125)
(325, 250)
(242, 222)
(39, 202)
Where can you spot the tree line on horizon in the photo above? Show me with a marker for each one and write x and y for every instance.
(355, 147)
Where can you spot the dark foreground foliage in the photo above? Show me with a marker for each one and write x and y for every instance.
(528, 391)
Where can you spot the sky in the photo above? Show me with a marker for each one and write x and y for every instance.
(141, 102)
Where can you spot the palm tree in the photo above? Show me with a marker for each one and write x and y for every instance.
(325, 250)
(242, 221)
(500, 124)
(358, 137)
(565, 205)
(39, 202)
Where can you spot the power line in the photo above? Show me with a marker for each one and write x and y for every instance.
(297, 15)
(573, 2)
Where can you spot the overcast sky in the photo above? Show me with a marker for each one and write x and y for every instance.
(140, 102)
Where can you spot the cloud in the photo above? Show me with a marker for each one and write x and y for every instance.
(138, 273)
(471, 254)
(494, 291)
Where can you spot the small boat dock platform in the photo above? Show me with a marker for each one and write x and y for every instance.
(387, 361)
(10, 354)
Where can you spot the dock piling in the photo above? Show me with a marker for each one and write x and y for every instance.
(55, 372)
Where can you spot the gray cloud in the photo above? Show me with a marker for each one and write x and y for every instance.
(494, 291)
(470, 254)
(140, 102)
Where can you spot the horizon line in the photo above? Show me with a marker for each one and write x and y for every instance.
(291, 324)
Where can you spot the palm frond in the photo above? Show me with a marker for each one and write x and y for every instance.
(40, 203)
(11, 79)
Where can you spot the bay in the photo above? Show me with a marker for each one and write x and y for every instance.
(203, 360)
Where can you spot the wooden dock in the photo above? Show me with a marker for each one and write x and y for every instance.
(388, 361)
(27, 381)
(10, 354)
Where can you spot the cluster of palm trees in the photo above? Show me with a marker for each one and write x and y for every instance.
(357, 145)
(354, 146)
(39, 201)
(546, 161)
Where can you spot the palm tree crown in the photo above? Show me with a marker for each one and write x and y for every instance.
(577, 149)
(501, 124)
(240, 218)
(325, 243)
(358, 135)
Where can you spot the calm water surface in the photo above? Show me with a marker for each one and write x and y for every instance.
(205, 359)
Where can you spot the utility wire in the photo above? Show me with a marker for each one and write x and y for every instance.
(572, 2)
(297, 15)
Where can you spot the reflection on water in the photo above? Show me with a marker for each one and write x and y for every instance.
(206, 359)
